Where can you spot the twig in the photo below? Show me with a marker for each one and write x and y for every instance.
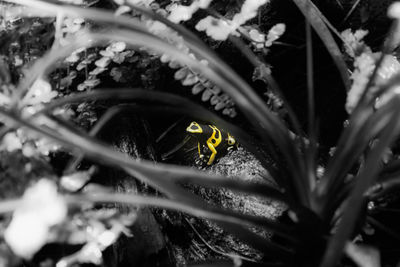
(351, 11)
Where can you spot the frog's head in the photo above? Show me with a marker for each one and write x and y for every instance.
(194, 128)
(230, 140)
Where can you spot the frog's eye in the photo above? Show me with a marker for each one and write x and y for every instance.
(231, 140)
(194, 127)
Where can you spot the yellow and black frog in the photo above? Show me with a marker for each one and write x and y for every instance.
(210, 140)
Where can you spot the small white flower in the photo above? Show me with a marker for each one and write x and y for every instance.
(220, 29)
(117, 46)
(11, 142)
(41, 208)
(44, 146)
(364, 66)
(390, 66)
(40, 92)
(256, 36)
(248, 11)
(215, 28)
(122, 10)
(75, 181)
(394, 11)
(156, 27)
(107, 238)
(275, 33)
(26, 235)
(354, 41)
(181, 13)
(5, 94)
(90, 253)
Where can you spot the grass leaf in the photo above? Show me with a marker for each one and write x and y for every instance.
(363, 181)
(314, 17)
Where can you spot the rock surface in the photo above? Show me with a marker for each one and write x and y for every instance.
(203, 239)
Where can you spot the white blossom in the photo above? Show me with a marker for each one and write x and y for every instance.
(179, 13)
(354, 41)
(40, 92)
(256, 36)
(11, 142)
(363, 68)
(394, 11)
(390, 67)
(219, 29)
(215, 28)
(275, 33)
(248, 11)
(75, 181)
(41, 208)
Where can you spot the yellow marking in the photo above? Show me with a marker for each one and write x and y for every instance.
(231, 140)
(194, 127)
(214, 152)
(212, 145)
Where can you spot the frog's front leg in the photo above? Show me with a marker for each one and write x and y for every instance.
(199, 149)
(213, 152)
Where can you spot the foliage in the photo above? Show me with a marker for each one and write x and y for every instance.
(325, 215)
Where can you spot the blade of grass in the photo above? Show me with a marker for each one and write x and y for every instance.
(391, 167)
(382, 227)
(215, 215)
(313, 15)
(366, 99)
(338, 168)
(383, 186)
(295, 184)
(351, 142)
(8, 205)
(233, 263)
(168, 130)
(351, 11)
(385, 89)
(311, 147)
(357, 121)
(337, 242)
